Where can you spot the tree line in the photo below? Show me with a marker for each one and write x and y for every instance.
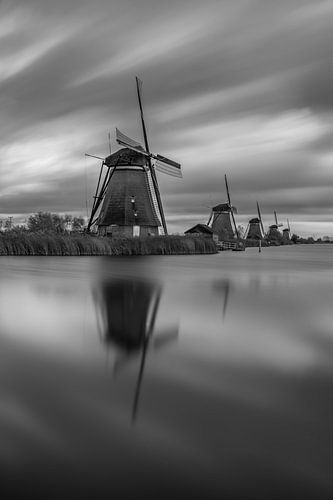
(47, 222)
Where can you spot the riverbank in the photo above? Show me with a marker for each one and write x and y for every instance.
(74, 245)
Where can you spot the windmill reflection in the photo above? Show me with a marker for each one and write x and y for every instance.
(223, 287)
(129, 309)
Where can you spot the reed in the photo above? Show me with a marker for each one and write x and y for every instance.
(25, 243)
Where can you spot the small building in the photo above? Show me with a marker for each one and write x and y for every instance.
(202, 230)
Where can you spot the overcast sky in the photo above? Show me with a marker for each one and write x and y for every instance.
(243, 87)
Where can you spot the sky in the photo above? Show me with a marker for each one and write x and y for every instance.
(242, 87)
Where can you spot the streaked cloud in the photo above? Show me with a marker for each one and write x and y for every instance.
(238, 87)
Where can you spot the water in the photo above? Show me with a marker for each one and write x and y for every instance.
(168, 377)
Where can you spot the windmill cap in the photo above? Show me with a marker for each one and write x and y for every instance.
(126, 156)
(222, 207)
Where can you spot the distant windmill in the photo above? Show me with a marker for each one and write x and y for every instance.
(255, 229)
(286, 233)
(274, 236)
(128, 197)
(222, 218)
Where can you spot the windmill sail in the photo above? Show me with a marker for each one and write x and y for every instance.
(162, 164)
(167, 166)
(230, 205)
(126, 141)
(260, 218)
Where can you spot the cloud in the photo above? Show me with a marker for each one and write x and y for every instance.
(237, 87)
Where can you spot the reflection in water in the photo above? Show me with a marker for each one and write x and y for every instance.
(239, 408)
(129, 309)
(223, 287)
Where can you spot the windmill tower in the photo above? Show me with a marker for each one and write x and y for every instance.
(222, 219)
(127, 201)
(255, 229)
(274, 236)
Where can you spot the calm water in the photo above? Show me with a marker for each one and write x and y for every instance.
(168, 377)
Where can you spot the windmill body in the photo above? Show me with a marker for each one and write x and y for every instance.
(129, 206)
(221, 222)
(222, 219)
(274, 236)
(286, 235)
(255, 230)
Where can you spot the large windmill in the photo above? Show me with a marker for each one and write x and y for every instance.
(127, 201)
(255, 229)
(222, 219)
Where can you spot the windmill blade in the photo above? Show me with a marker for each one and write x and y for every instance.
(109, 137)
(152, 170)
(276, 220)
(260, 218)
(210, 220)
(121, 361)
(166, 337)
(139, 379)
(226, 299)
(167, 166)
(139, 93)
(94, 156)
(126, 141)
(231, 208)
(258, 210)
(288, 225)
(234, 222)
(227, 188)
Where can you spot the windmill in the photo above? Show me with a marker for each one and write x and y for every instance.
(127, 199)
(128, 309)
(274, 236)
(255, 229)
(286, 233)
(222, 218)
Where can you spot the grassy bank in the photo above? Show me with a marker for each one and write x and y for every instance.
(25, 243)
